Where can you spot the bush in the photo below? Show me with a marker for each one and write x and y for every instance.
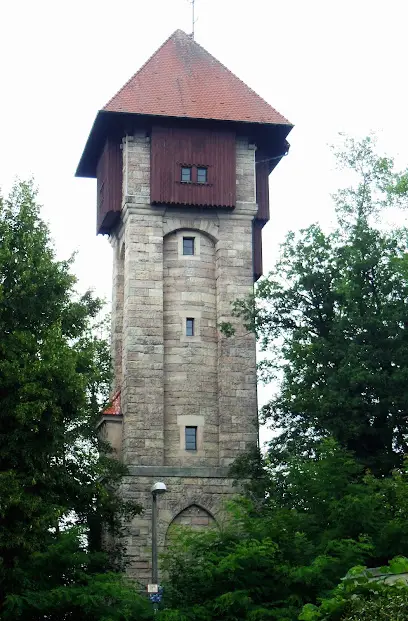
(362, 596)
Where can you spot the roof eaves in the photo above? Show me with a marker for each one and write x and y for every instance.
(95, 138)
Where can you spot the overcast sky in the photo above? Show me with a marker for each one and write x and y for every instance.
(327, 65)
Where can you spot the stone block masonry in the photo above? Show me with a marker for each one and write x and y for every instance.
(187, 497)
(168, 379)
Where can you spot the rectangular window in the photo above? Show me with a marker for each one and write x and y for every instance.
(189, 326)
(188, 245)
(185, 174)
(191, 438)
(201, 174)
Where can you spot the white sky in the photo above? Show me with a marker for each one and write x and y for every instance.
(327, 65)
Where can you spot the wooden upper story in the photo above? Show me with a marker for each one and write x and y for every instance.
(192, 110)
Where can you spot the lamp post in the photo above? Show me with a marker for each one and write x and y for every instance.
(157, 488)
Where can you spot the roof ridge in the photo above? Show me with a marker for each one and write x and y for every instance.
(182, 34)
(238, 78)
(143, 66)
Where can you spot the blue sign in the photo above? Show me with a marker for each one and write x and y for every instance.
(156, 598)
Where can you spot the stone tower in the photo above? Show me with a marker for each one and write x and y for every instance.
(182, 155)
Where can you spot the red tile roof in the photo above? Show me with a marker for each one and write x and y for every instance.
(114, 408)
(182, 79)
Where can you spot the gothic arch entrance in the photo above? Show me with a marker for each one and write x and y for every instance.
(194, 517)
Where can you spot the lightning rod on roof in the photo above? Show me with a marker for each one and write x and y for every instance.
(192, 2)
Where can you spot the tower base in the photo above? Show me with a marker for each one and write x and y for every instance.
(195, 497)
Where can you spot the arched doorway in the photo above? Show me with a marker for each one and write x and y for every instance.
(194, 517)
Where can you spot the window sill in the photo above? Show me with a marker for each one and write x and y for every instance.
(193, 183)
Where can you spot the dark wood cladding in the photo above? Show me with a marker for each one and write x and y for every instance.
(257, 249)
(109, 186)
(173, 147)
(263, 168)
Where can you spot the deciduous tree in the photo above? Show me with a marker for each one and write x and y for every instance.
(332, 316)
(54, 379)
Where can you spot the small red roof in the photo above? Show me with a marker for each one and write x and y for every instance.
(182, 79)
(114, 408)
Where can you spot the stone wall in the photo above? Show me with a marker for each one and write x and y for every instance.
(184, 493)
(117, 313)
(143, 378)
(190, 362)
(168, 381)
(193, 517)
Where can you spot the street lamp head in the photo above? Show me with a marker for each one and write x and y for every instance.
(158, 488)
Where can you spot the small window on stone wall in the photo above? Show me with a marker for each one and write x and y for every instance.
(189, 326)
(188, 245)
(191, 438)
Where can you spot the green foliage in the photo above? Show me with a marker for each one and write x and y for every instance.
(336, 306)
(54, 378)
(362, 595)
(390, 605)
(63, 583)
(290, 549)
